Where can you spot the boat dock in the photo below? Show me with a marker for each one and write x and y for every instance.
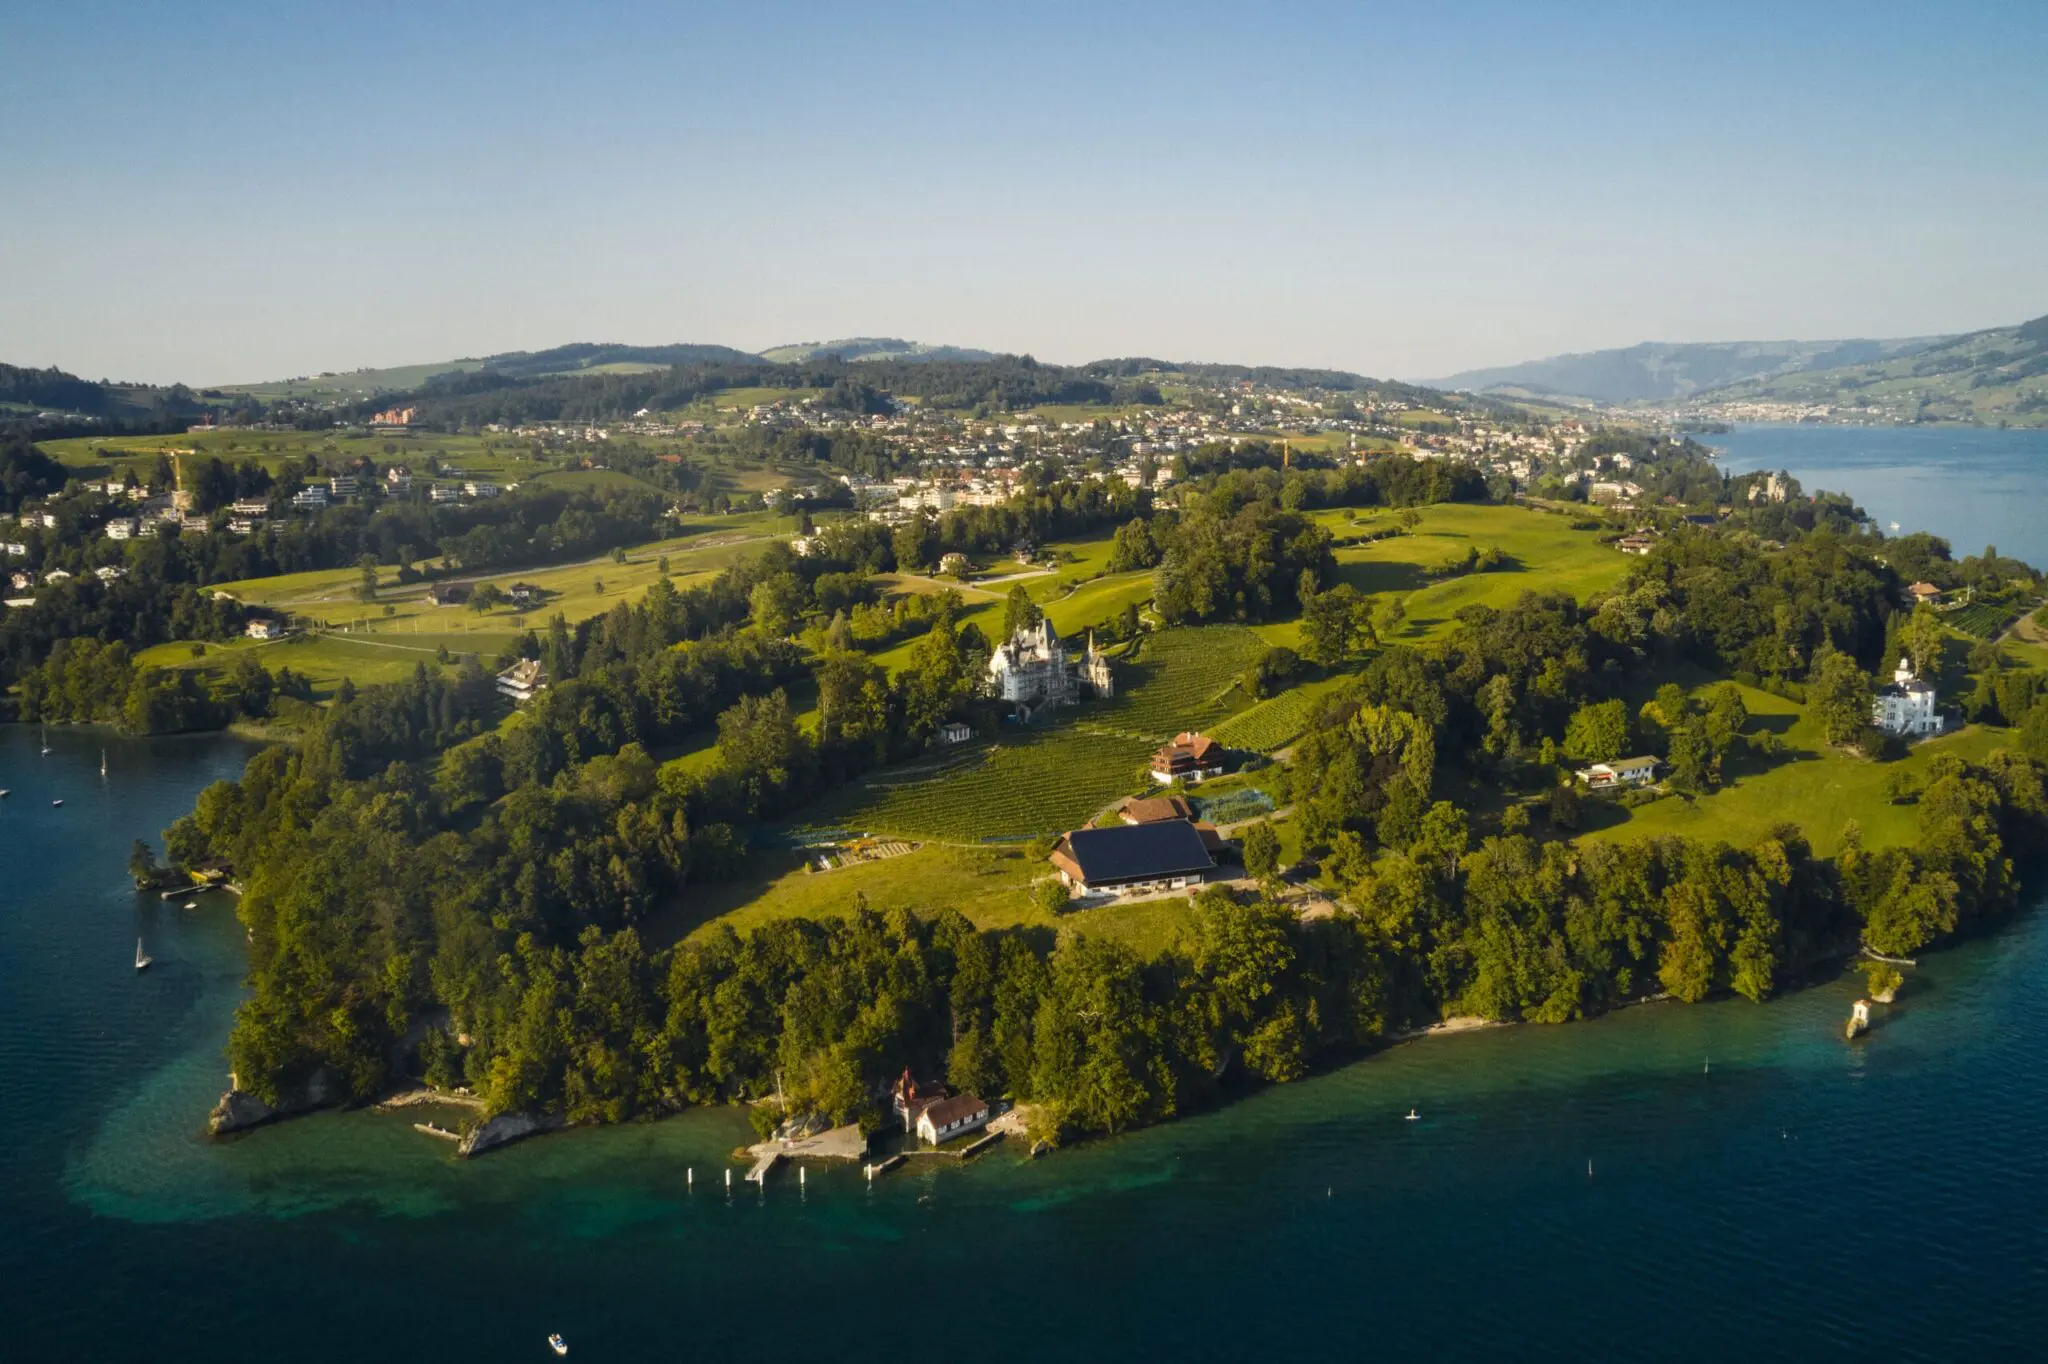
(434, 1130)
(839, 1143)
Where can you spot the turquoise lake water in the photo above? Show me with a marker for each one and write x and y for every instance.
(1758, 1189)
(1971, 486)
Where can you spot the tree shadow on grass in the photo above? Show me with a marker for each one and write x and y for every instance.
(1371, 576)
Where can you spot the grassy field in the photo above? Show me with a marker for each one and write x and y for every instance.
(1810, 784)
(499, 458)
(327, 659)
(1544, 553)
(360, 642)
(991, 886)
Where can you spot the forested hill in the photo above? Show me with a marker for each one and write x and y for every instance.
(1006, 383)
(1658, 370)
(31, 393)
(1998, 375)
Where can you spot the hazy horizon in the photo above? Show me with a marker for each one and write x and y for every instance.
(246, 193)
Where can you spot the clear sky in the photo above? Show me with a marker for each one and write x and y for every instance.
(232, 191)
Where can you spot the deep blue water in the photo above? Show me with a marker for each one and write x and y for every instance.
(1971, 486)
(1759, 1188)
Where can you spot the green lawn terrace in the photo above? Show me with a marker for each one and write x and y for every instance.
(1819, 788)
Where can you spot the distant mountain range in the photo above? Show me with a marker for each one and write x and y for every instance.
(871, 348)
(1992, 376)
(1658, 371)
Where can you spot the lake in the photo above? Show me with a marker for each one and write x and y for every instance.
(1972, 486)
(1690, 1182)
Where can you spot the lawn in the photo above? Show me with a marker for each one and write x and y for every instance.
(324, 659)
(991, 886)
(1544, 552)
(1818, 788)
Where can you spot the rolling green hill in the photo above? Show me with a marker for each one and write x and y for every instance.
(578, 357)
(1994, 376)
(53, 395)
(1658, 370)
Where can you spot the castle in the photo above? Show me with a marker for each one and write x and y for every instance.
(1031, 671)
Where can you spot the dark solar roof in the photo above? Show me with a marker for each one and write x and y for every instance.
(1138, 852)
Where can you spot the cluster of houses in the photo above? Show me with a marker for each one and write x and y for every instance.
(1158, 844)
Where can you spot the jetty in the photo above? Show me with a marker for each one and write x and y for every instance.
(838, 1143)
(435, 1130)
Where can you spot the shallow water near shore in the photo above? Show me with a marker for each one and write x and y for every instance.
(1756, 1184)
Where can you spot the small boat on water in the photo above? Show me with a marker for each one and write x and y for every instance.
(1414, 1116)
(142, 958)
(3, 793)
(46, 740)
(557, 1344)
(190, 904)
(56, 802)
(103, 762)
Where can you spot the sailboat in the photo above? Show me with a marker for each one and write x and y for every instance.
(103, 763)
(46, 740)
(142, 958)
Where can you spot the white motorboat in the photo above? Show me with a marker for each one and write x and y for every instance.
(1414, 1116)
(190, 904)
(557, 1344)
(142, 958)
(56, 802)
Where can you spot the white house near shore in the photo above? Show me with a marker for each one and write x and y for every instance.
(1906, 707)
(949, 1118)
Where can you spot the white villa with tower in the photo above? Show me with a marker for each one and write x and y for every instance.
(1906, 707)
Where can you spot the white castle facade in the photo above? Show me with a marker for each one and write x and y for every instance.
(1032, 671)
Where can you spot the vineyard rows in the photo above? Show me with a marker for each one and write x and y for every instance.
(1271, 724)
(1980, 620)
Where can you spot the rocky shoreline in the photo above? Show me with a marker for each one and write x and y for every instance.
(239, 1110)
